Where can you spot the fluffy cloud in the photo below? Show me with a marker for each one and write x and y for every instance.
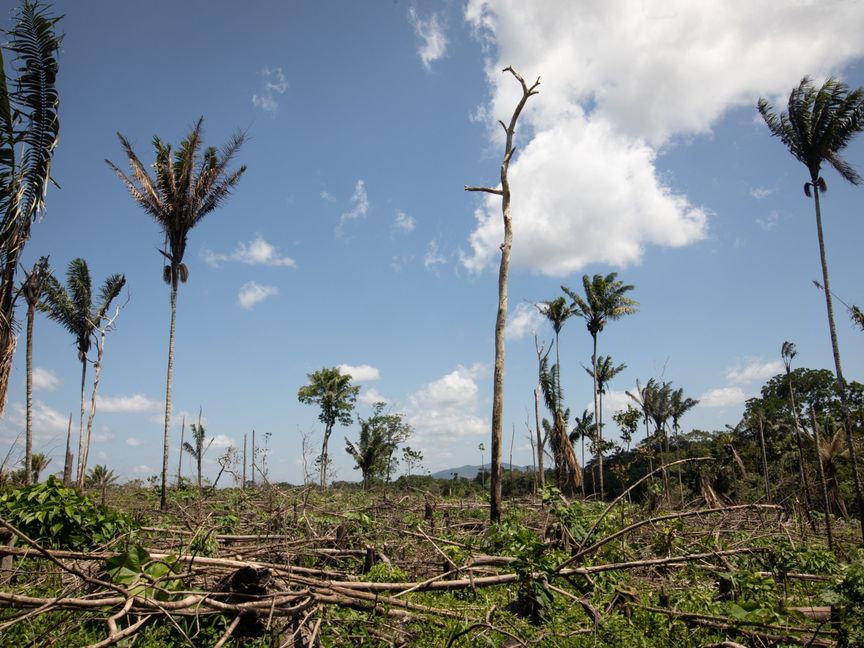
(524, 320)
(621, 79)
(751, 370)
(433, 256)
(432, 41)
(359, 203)
(45, 380)
(275, 85)
(257, 252)
(134, 404)
(360, 373)
(253, 293)
(370, 396)
(223, 441)
(45, 419)
(722, 397)
(134, 442)
(403, 222)
(446, 409)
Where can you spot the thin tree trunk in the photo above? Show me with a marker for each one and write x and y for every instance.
(7, 311)
(835, 347)
(501, 316)
(180, 453)
(28, 435)
(243, 487)
(324, 458)
(81, 423)
(68, 458)
(163, 495)
(802, 472)
(598, 433)
(253, 459)
(764, 461)
(826, 508)
(97, 373)
(541, 476)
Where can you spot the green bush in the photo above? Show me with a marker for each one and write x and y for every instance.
(62, 518)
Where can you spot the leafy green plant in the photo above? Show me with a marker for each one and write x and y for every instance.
(848, 596)
(145, 577)
(60, 517)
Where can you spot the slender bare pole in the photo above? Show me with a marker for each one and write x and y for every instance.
(501, 317)
(180, 459)
(244, 462)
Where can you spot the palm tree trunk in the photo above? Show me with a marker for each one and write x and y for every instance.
(826, 506)
(67, 458)
(324, 458)
(163, 495)
(541, 477)
(835, 347)
(78, 474)
(764, 461)
(805, 481)
(7, 314)
(180, 457)
(97, 373)
(598, 432)
(28, 435)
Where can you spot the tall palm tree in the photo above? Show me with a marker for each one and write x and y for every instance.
(567, 468)
(334, 394)
(31, 289)
(100, 477)
(188, 184)
(605, 299)
(817, 125)
(606, 371)
(29, 129)
(557, 312)
(678, 407)
(72, 307)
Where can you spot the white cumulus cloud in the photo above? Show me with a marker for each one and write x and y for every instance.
(275, 84)
(430, 33)
(359, 203)
(403, 222)
(45, 380)
(360, 373)
(134, 442)
(753, 369)
(524, 320)
(253, 293)
(447, 408)
(722, 397)
(257, 252)
(134, 404)
(621, 80)
(370, 396)
(433, 256)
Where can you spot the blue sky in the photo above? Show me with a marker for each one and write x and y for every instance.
(350, 241)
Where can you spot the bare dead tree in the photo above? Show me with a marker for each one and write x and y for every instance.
(503, 271)
(541, 477)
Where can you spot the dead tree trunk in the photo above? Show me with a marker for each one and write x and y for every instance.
(501, 317)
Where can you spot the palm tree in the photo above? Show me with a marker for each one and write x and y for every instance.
(604, 300)
(39, 462)
(567, 468)
(188, 185)
(100, 477)
(197, 451)
(72, 307)
(29, 128)
(817, 125)
(333, 392)
(584, 429)
(557, 312)
(678, 407)
(31, 288)
(606, 371)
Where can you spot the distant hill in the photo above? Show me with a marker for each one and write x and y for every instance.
(470, 472)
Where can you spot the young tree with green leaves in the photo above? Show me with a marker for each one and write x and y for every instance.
(335, 396)
(73, 308)
(100, 477)
(188, 184)
(29, 130)
(197, 449)
(604, 300)
(380, 435)
(818, 124)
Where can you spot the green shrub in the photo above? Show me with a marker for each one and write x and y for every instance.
(62, 518)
